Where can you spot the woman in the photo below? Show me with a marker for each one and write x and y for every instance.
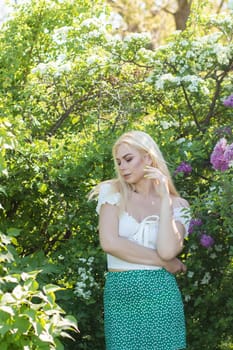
(142, 226)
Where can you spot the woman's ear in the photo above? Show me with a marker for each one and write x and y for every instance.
(147, 159)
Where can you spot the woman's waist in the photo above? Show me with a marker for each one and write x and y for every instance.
(115, 264)
(134, 269)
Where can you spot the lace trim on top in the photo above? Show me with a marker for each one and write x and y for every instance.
(107, 195)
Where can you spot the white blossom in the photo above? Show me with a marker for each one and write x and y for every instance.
(145, 36)
(40, 68)
(187, 298)
(94, 21)
(146, 54)
(57, 67)
(86, 280)
(206, 278)
(60, 34)
(94, 34)
(165, 125)
(116, 21)
(166, 77)
(208, 39)
(184, 42)
(193, 81)
(113, 38)
(190, 274)
(190, 54)
(205, 90)
(223, 53)
(173, 58)
(223, 19)
(181, 140)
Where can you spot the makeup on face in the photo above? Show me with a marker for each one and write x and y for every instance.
(130, 163)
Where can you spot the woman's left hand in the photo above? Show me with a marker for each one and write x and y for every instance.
(159, 179)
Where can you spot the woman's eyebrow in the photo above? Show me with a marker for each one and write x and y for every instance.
(126, 155)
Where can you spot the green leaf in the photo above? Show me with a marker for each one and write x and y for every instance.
(42, 188)
(46, 337)
(22, 324)
(31, 285)
(13, 231)
(7, 309)
(49, 288)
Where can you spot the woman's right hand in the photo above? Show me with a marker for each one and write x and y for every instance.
(175, 266)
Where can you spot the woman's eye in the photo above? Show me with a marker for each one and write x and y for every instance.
(128, 159)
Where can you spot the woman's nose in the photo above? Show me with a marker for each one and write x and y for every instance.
(122, 166)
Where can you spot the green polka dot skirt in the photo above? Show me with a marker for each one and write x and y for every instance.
(143, 310)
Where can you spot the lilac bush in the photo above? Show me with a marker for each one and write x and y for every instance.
(222, 155)
(184, 168)
(193, 224)
(206, 241)
(228, 102)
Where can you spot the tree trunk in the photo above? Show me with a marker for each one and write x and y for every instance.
(182, 14)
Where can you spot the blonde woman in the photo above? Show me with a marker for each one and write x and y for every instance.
(142, 226)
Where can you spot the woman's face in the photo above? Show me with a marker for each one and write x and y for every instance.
(131, 163)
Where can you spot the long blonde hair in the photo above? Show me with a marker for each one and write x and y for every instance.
(143, 142)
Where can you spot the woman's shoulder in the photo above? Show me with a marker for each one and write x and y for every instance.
(108, 194)
(109, 186)
(179, 202)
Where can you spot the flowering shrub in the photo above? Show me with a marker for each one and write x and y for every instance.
(192, 225)
(229, 101)
(206, 241)
(69, 83)
(209, 252)
(184, 168)
(86, 282)
(222, 155)
(30, 318)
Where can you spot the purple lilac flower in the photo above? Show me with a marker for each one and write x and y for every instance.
(206, 241)
(228, 154)
(184, 168)
(193, 223)
(217, 157)
(228, 102)
(224, 130)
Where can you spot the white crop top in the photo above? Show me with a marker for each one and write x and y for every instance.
(143, 233)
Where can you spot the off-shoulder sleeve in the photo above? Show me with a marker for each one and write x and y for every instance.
(107, 194)
(183, 215)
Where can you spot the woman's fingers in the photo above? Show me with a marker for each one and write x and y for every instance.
(159, 178)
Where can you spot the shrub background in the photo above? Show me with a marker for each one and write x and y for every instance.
(70, 85)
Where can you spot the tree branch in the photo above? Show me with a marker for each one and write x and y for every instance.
(191, 108)
(216, 93)
(66, 114)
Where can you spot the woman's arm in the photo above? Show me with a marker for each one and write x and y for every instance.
(170, 233)
(170, 236)
(125, 249)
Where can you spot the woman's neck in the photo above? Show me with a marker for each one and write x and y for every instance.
(145, 188)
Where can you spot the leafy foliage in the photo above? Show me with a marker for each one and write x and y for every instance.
(29, 316)
(70, 84)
